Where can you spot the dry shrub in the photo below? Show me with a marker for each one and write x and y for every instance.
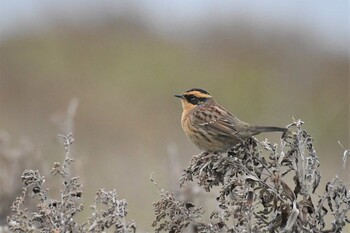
(58, 215)
(14, 158)
(263, 187)
(255, 192)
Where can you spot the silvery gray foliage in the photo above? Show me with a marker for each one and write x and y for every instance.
(58, 215)
(14, 159)
(264, 187)
(173, 215)
(114, 214)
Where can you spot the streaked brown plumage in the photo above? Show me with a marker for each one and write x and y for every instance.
(212, 128)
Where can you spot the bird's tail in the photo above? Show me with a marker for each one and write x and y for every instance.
(260, 129)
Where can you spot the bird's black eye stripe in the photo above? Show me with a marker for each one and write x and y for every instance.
(194, 99)
(190, 97)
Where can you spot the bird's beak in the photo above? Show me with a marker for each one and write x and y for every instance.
(179, 96)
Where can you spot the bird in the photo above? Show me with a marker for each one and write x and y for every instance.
(211, 127)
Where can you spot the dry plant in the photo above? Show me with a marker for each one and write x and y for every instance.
(258, 194)
(14, 158)
(263, 187)
(58, 215)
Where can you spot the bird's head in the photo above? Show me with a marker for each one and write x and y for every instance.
(194, 97)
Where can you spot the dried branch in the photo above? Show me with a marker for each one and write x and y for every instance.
(256, 194)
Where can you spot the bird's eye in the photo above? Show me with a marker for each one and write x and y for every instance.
(193, 99)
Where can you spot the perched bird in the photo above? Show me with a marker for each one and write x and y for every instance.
(211, 127)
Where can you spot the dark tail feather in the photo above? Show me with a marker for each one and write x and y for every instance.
(260, 129)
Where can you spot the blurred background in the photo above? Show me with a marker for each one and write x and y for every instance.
(123, 61)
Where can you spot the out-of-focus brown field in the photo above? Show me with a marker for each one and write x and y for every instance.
(125, 75)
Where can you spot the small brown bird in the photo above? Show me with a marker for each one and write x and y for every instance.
(211, 127)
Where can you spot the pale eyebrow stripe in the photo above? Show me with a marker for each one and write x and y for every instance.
(197, 94)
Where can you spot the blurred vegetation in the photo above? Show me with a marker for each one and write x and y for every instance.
(125, 75)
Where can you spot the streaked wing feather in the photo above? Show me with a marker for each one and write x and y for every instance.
(221, 127)
(221, 123)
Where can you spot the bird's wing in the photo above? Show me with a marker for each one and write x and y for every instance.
(220, 122)
(220, 126)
